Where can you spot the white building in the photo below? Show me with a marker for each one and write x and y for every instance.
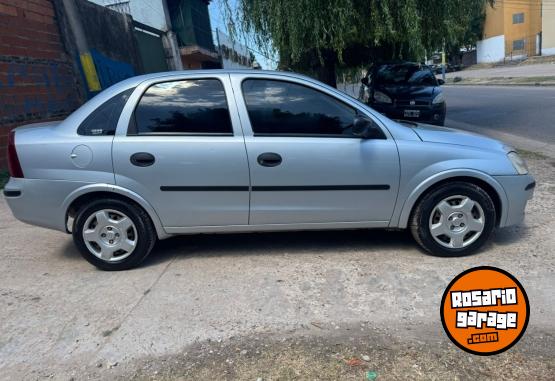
(233, 54)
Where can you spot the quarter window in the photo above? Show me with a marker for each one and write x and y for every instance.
(104, 120)
(518, 18)
(196, 106)
(286, 108)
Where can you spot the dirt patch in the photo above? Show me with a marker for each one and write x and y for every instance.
(358, 354)
(532, 155)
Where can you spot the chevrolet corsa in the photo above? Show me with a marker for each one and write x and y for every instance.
(244, 151)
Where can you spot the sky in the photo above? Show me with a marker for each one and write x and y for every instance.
(217, 22)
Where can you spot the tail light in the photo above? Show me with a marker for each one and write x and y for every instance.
(14, 168)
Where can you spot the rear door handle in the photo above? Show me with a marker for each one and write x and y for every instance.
(142, 159)
(269, 159)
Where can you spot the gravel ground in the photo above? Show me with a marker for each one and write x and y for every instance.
(270, 306)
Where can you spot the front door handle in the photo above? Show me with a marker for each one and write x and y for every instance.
(142, 159)
(269, 159)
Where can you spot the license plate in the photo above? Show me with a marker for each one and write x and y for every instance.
(412, 113)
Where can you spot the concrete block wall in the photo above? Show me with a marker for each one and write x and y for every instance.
(37, 80)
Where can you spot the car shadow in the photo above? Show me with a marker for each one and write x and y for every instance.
(69, 251)
(303, 242)
(321, 242)
(510, 235)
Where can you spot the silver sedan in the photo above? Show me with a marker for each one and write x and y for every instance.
(243, 151)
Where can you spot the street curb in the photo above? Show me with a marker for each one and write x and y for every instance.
(501, 84)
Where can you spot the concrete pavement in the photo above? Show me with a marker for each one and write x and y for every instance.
(276, 305)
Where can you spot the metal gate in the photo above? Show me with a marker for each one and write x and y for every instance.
(151, 47)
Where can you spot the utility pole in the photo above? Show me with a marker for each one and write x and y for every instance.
(85, 57)
(443, 62)
(170, 41)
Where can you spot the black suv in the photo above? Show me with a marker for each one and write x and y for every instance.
(408, 91)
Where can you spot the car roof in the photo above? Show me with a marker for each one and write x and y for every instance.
(145, 77)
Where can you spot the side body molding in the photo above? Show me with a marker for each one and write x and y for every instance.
(121, 191)
(402, 211)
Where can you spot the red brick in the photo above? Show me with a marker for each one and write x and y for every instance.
(43, 3)
(40, 9)
(8, 10)
(12, 50)
(31, 44)
(12, 3)
(38, 17)
(29, 33)
(46, 54)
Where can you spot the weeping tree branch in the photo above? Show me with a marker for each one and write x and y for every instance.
(317, 36)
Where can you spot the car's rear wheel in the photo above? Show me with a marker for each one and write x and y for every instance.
(113, 234)
(454, 219)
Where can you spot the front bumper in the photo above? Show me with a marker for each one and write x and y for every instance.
(433, 114)
(518, 189)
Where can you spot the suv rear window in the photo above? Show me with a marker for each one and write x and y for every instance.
(196, 106)
(104, 120)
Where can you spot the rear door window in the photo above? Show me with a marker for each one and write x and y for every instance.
(189, 107)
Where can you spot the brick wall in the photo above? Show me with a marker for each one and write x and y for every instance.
(37, 80)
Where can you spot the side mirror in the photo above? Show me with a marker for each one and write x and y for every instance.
(441, 82)
(366, 128)
(364, 81)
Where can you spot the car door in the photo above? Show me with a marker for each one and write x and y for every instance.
(306, 166)
(179, 145)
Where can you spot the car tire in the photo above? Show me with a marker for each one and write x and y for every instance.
(113, 234)
(454, 219)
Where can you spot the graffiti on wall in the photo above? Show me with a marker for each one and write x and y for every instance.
(31, 89)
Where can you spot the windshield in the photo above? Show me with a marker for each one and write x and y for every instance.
(404, 75)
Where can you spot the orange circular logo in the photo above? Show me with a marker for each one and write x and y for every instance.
(485, 310)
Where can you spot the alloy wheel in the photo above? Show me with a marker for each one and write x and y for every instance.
(110, 235)
(456, 222)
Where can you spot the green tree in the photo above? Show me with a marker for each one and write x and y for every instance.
(316, 36)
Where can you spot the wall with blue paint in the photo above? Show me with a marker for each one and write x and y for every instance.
(36, 89)
(111, 42)
(110, 71)
(37, 78)
(40, 69)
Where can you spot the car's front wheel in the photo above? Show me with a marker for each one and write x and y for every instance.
(454, 219)
(113, 234)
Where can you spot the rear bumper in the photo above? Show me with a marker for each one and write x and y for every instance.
(39, 202)
(518, 189)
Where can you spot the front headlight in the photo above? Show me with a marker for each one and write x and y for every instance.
(440, 98)
(381, 97)
(518, 163)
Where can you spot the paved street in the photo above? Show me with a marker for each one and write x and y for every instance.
(274, 305)
(519, 115)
